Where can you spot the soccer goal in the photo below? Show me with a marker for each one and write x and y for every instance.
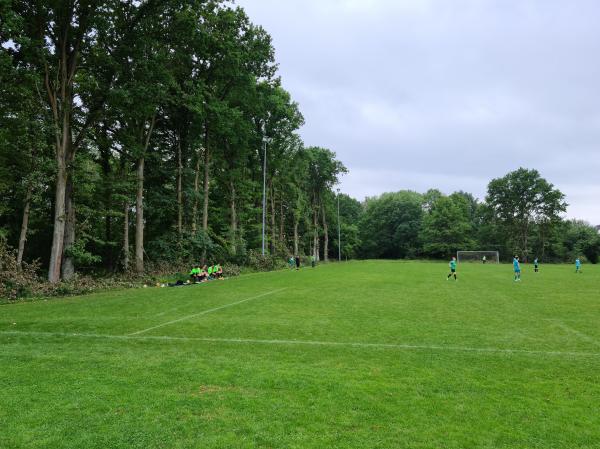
(478, 256)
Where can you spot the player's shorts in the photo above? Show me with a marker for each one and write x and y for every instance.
(452, 270)
(517, 271)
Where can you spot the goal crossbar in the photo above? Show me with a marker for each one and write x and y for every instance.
(478, 256)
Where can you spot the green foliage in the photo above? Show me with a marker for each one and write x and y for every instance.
(391, 224)
(522, 199)
(268, 262)
(190, 248)
(581, 239)
(351, 242)
(447, 227)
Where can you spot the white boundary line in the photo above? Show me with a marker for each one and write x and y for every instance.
(204, 312)
(581, 335)
(308, 343)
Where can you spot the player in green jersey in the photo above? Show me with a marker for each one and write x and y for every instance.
(195, 273)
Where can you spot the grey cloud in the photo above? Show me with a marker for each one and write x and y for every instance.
(449, 94)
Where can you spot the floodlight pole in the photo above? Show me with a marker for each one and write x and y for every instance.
(339, 231)
(264, 198)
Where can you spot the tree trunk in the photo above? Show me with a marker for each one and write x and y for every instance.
(68, 265)
(206, 185)
(295, 237)
(281, 223)
(543, 241)
(525, 242)
(139, 219)
(196, 194)
(206, 189)
(273, 226)
(126, 236)
(315, 234)
(179, 191)
(234, 239)
(24, 225)
(139, 197)
(58, 232)
(325, 235)
(108, 199)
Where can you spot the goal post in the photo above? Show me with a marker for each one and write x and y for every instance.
(478, 256)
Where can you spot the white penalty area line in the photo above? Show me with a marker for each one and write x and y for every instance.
(204, 312)
(391, 346)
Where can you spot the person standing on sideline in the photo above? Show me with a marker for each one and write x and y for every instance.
(577, 265)
(452, 266)
(297, 262)
(517, 268)
(536, 265)
(313, 261)
(484, 260)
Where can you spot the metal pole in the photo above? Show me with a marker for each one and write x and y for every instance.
(339, 233)
(264, 199)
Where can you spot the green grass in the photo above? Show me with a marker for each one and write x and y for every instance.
(358, 355)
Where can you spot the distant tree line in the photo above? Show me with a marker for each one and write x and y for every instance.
(521, 215)
(136, 131)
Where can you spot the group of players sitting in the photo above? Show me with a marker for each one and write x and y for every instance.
(202, 274)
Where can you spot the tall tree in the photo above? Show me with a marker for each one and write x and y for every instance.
(447, 227)
(323, 173)
(519, 200)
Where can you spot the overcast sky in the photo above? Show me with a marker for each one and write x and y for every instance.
(413, 94)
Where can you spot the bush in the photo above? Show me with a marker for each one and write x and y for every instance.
(258, 262)
(16, 281)
(23, 282)
(231, 270)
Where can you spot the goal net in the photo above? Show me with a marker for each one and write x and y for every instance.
(478, 256)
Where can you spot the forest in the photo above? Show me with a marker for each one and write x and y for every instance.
(135, 135)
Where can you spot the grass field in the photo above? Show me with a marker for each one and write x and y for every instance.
(357, 355)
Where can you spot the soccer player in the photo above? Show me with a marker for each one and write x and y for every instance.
(218, 271)
(452, 266)
(517, 268)
(195, 273)
(297, 262)
(203, 274)
(536, 265)
(577, 265)
(484, 260)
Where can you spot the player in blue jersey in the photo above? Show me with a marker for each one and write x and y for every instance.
(517, 268)
(452, 266)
